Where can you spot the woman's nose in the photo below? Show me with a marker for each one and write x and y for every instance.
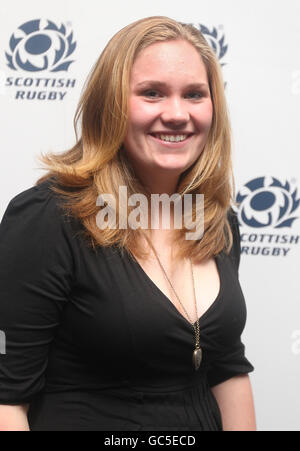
(175, 111)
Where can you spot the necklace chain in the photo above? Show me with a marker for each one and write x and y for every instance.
(196, 324)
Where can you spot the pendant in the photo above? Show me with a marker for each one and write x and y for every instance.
(197, 357)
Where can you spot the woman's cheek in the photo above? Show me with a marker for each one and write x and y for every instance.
(205, 115)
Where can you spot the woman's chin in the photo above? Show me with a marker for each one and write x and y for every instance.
(172, 166)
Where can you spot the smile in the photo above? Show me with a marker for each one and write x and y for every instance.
(171, 140)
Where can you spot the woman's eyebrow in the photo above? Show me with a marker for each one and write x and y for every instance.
(162, 84)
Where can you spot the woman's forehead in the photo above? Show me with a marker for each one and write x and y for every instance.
(166, 59)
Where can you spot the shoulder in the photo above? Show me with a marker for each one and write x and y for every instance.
(37, 197)
(36, 211)
(36, 239)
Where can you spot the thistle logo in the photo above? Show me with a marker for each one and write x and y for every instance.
(40, 47)
(215, 41)
(267, 204)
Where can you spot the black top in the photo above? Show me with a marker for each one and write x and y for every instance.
(92, 343)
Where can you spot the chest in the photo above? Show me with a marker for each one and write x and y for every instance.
(192, 290)
(122, 317)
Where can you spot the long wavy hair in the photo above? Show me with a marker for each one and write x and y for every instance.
(96, 163)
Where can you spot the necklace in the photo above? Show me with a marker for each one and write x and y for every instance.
(197, 354)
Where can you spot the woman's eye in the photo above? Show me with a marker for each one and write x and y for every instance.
(151, 93)
(196, 95)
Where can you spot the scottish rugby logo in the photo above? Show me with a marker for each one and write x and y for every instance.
(40, 45)
(267, 204)
(267, 210)
(40, 54)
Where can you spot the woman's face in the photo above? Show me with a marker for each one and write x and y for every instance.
(170, 108)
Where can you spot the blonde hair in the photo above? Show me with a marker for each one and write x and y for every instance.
(95, 165)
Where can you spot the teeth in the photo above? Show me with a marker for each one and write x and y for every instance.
(172, 138)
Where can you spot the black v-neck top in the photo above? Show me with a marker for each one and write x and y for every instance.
(92, 343)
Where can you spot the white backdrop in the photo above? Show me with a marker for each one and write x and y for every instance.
(261, 65)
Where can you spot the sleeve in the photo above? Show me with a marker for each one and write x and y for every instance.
(36, 268)
(230, 360)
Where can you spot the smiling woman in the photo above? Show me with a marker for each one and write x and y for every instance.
(138, 71)
(129, 328)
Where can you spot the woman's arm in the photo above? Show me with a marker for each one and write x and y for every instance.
(236, 404)
(14, 418)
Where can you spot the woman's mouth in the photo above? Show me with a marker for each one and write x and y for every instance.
(172, 140)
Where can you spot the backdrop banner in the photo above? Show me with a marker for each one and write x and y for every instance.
(47, 50)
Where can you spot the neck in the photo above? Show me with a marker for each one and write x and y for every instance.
(160, 182)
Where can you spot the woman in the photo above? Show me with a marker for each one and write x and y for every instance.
(126, 328)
